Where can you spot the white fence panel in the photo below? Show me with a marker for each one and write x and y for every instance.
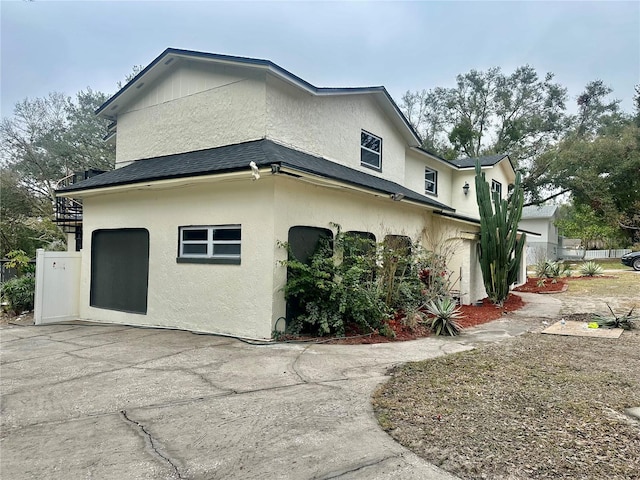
(592, 254)
(57, 295)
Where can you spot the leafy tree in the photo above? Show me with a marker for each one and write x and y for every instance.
(580, 221)
(25, 220)
(595, 110)
(490, 112)
(49, 138)
(601, 173)
(31, 141)
(636, 105)
(84, 139)
(44, 141)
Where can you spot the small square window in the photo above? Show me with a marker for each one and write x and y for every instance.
(194, 249)
(430, 181)
(370, 150)
(496, 187)
(210, 244)
(194, 235)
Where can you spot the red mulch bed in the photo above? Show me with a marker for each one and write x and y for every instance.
(477, 315)
(473, 315)
(549, 287)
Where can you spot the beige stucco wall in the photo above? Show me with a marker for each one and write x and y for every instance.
(329, 126)
(414, 176)
(228, 299)
(192, 109)
(467, 204)
(246, 300)
(362, 212)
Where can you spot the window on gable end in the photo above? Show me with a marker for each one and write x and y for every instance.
(430, 181)
(370, 150)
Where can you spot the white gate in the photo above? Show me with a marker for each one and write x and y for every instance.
(57, 295)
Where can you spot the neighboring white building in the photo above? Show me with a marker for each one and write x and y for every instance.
(184, 234)
(541, 219)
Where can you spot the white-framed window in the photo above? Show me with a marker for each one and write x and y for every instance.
(370, 150)
(496, 187)
(430, 181)
(210, 244)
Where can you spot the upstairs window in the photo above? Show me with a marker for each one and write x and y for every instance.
(430, 181)
(210, 244)
(496, 187)
(370, 150)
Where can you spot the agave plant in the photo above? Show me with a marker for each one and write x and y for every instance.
(590, 269)
(445, 313)
(626, 322)
(545, 268)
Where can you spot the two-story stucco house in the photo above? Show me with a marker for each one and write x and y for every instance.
(219, 158)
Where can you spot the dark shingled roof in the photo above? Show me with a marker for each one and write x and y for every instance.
(487, 161)
(237, 157)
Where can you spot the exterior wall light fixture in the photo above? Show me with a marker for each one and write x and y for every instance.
(396, 197)
(465, 189)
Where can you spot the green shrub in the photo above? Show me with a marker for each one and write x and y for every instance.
(445, 312)
(353, 281)
(20, 293)
(19, 260)
(328, 294)
(590, 269)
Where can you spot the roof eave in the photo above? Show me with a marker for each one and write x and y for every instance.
(229, 174)
(159, 182)
(357, 186)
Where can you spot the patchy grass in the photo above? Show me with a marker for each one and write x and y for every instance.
(537, 406)
(621, 292)
(605, 263)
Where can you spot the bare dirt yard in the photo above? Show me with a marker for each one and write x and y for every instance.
(537, 406)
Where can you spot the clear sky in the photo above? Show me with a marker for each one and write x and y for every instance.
(67, 46)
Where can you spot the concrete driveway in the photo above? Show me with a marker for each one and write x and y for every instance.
(115, 402)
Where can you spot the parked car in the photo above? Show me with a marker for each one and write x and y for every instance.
(631, 259)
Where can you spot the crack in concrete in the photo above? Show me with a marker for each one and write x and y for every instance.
(331, 476)
(293, 365)
(31, 359)
(35, 336)
(188, 371)
(226, 392)
(124, 366)
(149, 438)
(69, 352)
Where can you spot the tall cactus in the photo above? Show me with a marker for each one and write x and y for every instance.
(500, 248)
